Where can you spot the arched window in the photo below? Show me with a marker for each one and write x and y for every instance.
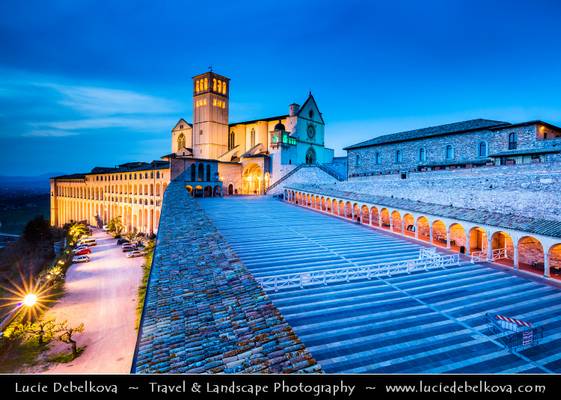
(180, 141)
(357, 160)
(208, 173)
(311, 114)
(449, 152)
(482, 150)
(512, 141)
(377, 158)
(422, 154)
(193, 172)
(310, 156)
(398, 156)
(231, 140)
(252, 137)
(201, 173)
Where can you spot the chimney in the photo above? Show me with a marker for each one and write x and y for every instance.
(293, 109)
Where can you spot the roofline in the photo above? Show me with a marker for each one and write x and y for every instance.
(149, 167)
(258, 120)
(358, 145)
(495, 127)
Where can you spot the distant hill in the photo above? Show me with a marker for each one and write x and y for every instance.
(38, 183)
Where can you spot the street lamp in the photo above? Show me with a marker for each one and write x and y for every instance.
(29, 300)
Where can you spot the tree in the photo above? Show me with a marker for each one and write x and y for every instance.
(66, 335)
(43, 331)
(131, 236)
(38, 230)
(115, 225)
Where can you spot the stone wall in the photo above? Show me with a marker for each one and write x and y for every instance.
(465, 145)
(307, 174)
(204, 312)
(531, 190)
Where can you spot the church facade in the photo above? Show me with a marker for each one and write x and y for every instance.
(215, 157)
(243, 157)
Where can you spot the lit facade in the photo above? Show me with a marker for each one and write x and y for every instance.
(216, 158)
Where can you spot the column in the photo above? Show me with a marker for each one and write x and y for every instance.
(416, 229)
(448, 239)
(515, 255)
(489, 247)
(430, 232)
(546, 263)
(402, 227)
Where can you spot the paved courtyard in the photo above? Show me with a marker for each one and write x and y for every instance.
(430, 322)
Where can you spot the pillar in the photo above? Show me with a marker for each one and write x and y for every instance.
(546, 263)
(416, 229)
(430, 231)
(515, 255)
(489, 247)
(402, 226)
(448, 239)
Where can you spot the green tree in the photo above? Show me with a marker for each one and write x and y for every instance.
(38, 230)
(116, 226)
(42, 331)
(66, 335)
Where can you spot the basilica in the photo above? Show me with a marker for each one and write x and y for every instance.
(215, 156)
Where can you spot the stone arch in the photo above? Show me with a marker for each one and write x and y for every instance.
(396, 221)
(385, 218)
(374, 216)
(252, 177)
(365, 214)
(356, 212)
(554, 260)
(502, 240)
(458, 238)
(531, 255)
(348, 210)
(409, 225)
(342, 208)
(439, 233)
(477, 240)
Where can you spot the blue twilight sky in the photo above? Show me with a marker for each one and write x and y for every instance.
(86, 83)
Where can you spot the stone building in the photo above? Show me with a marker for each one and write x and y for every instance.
(221, 158)
(132, 191)
(472, 143)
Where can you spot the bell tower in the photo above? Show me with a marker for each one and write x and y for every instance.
(210, 115)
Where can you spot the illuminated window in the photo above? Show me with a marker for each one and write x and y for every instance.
(252, 137)
(214, 84)
(206, 83)
(219, 90)
(224, 88)
(231, 140)
(197, 89)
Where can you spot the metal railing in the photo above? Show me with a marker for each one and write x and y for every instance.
(496, 254)
(428, 259)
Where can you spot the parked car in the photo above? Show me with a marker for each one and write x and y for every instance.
(135, 253)
(88, 242)
(122, 241)
(81, 252)
(128, 247)
(105, 228)
(80, 259)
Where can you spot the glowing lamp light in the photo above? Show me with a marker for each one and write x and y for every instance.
(30, 300)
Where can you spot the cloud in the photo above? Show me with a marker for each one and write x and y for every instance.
(48, 106)
(109, 101)
(49, 133)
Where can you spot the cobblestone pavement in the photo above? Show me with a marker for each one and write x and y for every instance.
(204, 311)
(423, 322)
